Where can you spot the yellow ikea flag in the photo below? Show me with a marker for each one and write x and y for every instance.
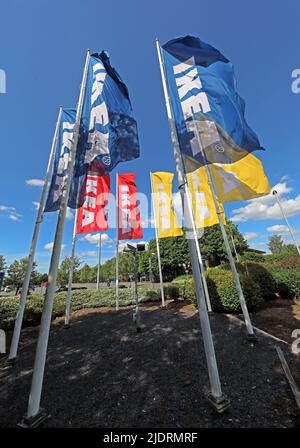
(166, 220)
(204, 209)
(244, 179)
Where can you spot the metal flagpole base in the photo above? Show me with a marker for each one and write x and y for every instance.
(251, 337)
(220, 404)
(10, 361)
(34, 422)
(66, 326)
(137, 321)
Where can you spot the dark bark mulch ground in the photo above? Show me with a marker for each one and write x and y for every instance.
(101, 373)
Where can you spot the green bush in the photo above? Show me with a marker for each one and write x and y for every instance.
(104, 297)
(252, 256)
(261, 276)
(150, 295)
(222, 291)
(8, 310)
(283, 263)
(273, 258)
(288, 282)
(223, 294)
(172, 292)
(182, 278)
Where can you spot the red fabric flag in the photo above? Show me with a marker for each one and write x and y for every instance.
(129, 219)
(91, 216)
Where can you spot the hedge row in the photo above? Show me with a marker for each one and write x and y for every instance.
(259, 282)
(80, 299)
(222, 291)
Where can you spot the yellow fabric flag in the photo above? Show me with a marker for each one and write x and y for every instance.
(166, 220)
(244, 179)
(202, 199)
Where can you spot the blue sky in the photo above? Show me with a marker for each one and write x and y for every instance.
(43, 45)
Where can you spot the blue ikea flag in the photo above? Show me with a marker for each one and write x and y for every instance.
(204, 100)
(108, 130)
(64, 146)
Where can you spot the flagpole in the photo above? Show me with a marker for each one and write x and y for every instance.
(157, 249)
(117, 242)
(71, 269)
(206, 293)
(234, 248)
(250, 332)
(39, 219)
(34, 413)
(276, 194)
(217, 399)
(99, 262)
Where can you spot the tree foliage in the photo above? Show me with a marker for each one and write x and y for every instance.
(63, 272)
(213, 247)
(276, 244)
(173, 254)
(16, 273)
(2, 263)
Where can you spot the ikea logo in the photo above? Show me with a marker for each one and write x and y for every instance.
(296, 83)
(2, 81)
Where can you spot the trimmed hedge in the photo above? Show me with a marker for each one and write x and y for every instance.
(288, 282)
(172, 292)
(80, 299)
(261, 276)
(223, 294)
(278, 276)
(222, 291)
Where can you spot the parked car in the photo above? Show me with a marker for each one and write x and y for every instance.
(7, 289)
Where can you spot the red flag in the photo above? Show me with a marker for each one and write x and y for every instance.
(129, 219)
(91, 216)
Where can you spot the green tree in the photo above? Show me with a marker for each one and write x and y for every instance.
(143, 262)
(2, 263)
(213, 247)
(86, 274)
(63, 272)
(16, 274)
(41, 278)
(276, 244)
(107, 270)
(126, 266)
(173, 253)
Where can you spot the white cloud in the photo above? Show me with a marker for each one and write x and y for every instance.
(10, 212)
(267, 208)
(36, 204)
(282, 188)
(278, 228)
(93, 238)
(69, 214)
(284, 178)
(89, 253)
(49, 246)
(13, 217)
(35, 182)
(250, 235)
